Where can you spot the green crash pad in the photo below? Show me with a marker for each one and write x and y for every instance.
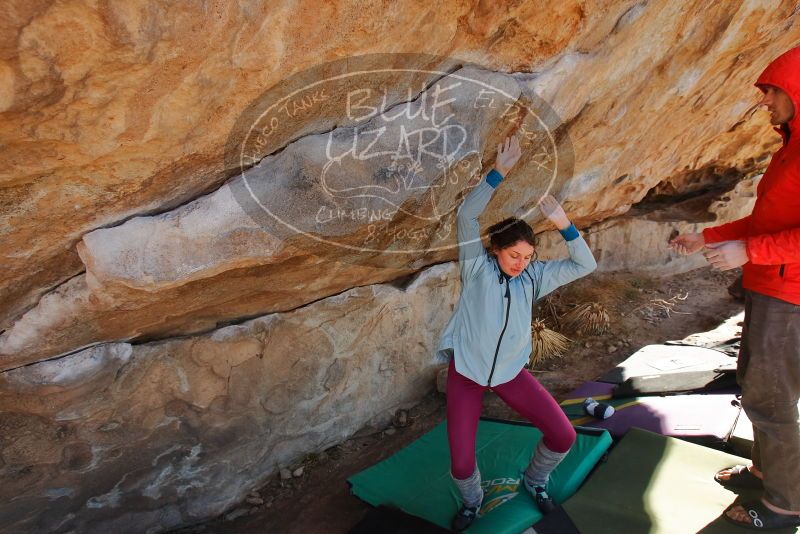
(652, 484)
(417, 480)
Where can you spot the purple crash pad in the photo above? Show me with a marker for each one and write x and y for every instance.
(707, 417)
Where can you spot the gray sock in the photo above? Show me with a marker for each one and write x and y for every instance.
(542, 464)
(470, 488)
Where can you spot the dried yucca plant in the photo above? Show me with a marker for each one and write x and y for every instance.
(549, 309)
(590, 318)
(546, 343)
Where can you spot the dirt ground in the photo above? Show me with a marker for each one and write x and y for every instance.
(643, 310)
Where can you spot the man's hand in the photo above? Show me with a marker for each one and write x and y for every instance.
(508, 154)
(553, 211)
(727, 255)
(687, 243)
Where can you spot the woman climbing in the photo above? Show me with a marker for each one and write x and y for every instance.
(488, 338)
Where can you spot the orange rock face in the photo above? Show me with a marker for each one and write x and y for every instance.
(119, 109)
(115, 109)
(122, 109)
(141, 175)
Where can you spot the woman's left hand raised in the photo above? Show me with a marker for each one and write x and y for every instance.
(508, 154)
(554, 212)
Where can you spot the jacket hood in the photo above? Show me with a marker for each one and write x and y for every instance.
(784, 72)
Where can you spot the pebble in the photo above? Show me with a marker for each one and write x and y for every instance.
(285, 474)
(239, 512)
(441, 380)
(612, 349)
(587, 345)
(390, 431)
(255, 501)
(298, 472)
(402, 418)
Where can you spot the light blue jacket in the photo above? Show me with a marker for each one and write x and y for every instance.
(489, 333)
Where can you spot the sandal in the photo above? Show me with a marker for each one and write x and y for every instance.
(740, 477)
(762, 518)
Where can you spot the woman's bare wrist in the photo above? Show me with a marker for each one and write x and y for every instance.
(563, 224)
(501, 170)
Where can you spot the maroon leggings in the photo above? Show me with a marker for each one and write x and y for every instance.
(524, 394)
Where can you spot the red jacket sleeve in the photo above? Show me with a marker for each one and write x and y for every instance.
(727, 232)
(775, 249)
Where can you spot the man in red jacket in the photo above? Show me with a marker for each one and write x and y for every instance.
(767, 244)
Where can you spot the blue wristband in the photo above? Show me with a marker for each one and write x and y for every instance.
(570, 233)
(494, 178)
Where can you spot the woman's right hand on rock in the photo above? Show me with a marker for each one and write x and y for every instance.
(508, 154)
(687, 243)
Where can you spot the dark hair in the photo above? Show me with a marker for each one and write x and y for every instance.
(509, 231)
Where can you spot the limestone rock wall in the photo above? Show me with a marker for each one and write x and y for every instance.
(153, 331)
(639, 242)
(126, 438)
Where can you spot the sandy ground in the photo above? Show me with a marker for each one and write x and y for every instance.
(643, 310)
